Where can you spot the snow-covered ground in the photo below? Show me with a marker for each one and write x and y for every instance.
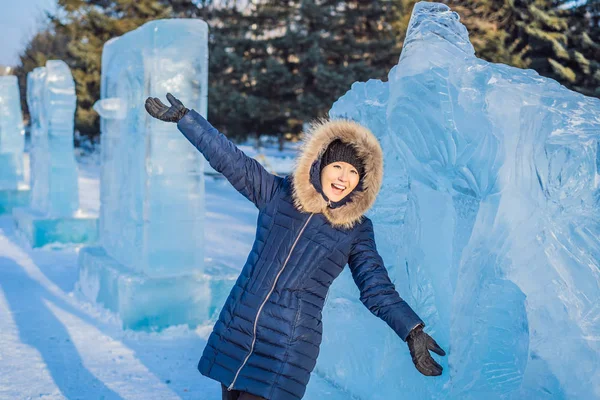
(56, 345)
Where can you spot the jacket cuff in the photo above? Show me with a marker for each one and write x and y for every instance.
(193, 119)
(419, 325)
(410, 320)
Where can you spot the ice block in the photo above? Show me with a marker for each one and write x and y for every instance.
(53, 215)
(13, 190)
(489, 224)
(149, 267)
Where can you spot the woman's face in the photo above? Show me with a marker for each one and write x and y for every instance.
(338, 179)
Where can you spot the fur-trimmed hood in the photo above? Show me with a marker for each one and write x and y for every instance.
(307, 197)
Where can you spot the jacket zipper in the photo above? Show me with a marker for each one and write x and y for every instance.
(230, 388)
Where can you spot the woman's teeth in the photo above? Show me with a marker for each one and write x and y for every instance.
(337, 189)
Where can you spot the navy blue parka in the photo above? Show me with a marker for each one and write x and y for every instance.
(267, 337)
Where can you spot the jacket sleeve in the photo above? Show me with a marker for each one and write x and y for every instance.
(246, 174)
(377, 292)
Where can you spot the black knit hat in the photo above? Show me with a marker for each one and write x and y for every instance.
(340, 151)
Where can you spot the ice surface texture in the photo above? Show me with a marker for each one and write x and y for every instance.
(488, 221)
(11, 134)
(152, 188)
(51, 100)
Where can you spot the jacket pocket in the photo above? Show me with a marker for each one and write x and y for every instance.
(231, 305)
(307, 334)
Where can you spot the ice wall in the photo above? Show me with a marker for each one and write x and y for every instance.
(11, 133)
(152, 187)
(488, 221)
(51, 100)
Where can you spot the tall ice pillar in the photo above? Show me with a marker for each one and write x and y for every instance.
(149, 267)
(13, 191)
(53, 215)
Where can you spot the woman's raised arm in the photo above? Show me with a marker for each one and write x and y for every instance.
(246, 174)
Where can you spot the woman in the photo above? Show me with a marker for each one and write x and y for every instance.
(310, 225)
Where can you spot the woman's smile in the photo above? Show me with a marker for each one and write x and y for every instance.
(337, 188)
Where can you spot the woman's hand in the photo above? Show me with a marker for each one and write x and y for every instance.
(419, 344)
(157, 109)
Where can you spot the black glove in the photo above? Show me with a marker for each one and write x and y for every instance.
(168, 114)
(419, 344)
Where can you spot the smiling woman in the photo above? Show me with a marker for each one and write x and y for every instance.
(310, 225)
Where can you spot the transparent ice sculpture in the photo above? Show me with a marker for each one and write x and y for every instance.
(149, 268)
(488, 221)
(53, 215)
(13, 190)
(51, 100)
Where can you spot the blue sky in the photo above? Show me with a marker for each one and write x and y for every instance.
(19, 20)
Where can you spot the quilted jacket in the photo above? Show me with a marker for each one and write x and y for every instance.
(266, 340)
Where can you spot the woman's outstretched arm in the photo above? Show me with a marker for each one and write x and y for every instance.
(379, 295)
(377, 292)
(246, 174)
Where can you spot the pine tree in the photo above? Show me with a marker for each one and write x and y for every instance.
(486, 22)
(583, 44)
(346, 42)
(45, 45)
(236, 104)
(78, 36)
(534, 34)
(307, 53)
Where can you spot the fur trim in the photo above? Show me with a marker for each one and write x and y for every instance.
(315, 142)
